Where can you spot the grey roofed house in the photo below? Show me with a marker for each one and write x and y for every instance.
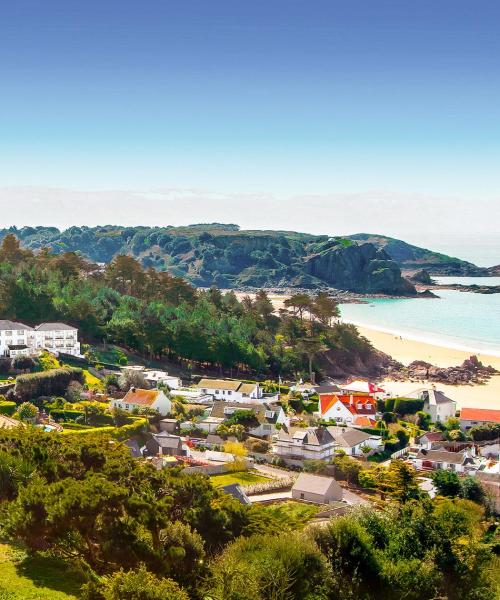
(430, 436)
(165, 444)
(315, 436)
(214, 440)
(235, 490)
(348, 436)
(326, 389)
(316, 488)
(443, 456)
(6, 325)
(54, 327)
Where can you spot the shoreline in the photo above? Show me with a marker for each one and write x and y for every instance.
(406, 350)
(459, 348)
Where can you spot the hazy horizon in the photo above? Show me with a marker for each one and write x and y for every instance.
(450, 225)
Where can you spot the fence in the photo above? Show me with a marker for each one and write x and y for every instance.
(399, 453)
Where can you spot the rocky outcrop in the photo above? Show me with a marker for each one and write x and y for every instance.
(470, 371)
(358, 268)
(421, 276)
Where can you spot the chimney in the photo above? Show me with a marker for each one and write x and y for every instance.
(133, 390)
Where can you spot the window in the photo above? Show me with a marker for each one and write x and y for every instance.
(126, 406)
(302, 495)
(229, 392)
(8, 333)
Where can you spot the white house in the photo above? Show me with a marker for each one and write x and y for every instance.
(57, 337)
(348, 408)
(317, 489)
(436, 404)
(137, 399)
(471, 417)
(430, 439)
(16, 338)
(352, 440)
(20, 339)
(442, 459)
(227, 389)
(322, 442)
(154, 377)
(305, 443)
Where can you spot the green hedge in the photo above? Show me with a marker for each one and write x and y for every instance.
(119, 433)
(59, 414)
(7, 408)
(408, 406)
(47, 383)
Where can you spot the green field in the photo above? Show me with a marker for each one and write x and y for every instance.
(296, 513)
(34, 578)
(244, 478)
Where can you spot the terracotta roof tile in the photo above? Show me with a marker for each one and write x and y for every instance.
(480, 414)
(141, 397)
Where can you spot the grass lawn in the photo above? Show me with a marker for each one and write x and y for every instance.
(37, 578)
(242, 477)
(91, 380)
(293, 512)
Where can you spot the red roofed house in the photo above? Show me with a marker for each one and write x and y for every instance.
(470, 417)
(137, 399)
(348, 409)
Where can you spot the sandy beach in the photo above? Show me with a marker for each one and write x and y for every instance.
(406, 351)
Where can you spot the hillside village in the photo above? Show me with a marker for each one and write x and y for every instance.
(257, 435)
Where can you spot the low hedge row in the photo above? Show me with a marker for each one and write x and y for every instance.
(7, 408)
(47, 383)
(119, 433)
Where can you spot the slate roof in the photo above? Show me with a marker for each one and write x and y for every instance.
(133, 446)
(214, 440)
(166, 440)
(54, 327)
(348, 436)
(314, 436)
(480, 414)
(456, 458)
(314, 484)
(6, 325)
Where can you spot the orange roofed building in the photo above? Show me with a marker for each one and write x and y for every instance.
(136, 398)
(358, 410)
(470, 417)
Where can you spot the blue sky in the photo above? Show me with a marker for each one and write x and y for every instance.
(271, 97)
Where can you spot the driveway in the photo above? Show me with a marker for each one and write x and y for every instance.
(274, 472)
(353, 499)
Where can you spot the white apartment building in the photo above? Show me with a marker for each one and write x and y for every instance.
(20, 339)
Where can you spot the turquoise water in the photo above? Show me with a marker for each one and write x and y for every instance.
(456, 319)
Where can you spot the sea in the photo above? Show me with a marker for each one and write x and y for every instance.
(462, 320)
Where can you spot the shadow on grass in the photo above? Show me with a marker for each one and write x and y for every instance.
(50, 572)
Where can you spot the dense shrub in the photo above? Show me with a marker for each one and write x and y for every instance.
(48, 383)
(489, 431)
(407, 406)
(7, 408)
(65, 415)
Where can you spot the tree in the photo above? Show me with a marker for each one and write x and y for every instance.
(401, 481)
(289, 566)
(471, 489)
(23, 363)
(74, 392)
(300, 303)
(131, 378)
(324, 308)
(352, 557)
(27, 411)
(447, 482)
(311, 347)
(238, 450)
